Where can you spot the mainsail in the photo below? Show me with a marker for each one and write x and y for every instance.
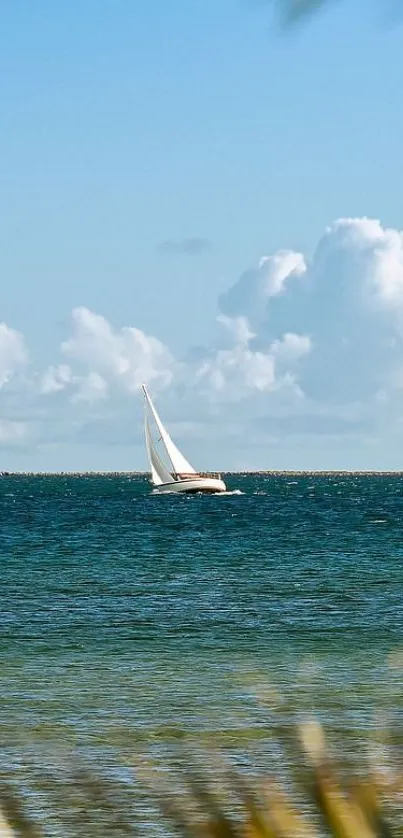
(159, 472)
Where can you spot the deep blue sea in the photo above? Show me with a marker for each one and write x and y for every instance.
(125, 614)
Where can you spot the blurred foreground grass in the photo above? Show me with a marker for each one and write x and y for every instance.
(310, 789)
(294, 11)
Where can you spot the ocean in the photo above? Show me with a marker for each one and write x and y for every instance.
(126, 616)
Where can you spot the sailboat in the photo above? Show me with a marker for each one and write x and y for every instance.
(178, 476)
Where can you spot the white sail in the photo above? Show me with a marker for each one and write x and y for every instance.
(159, 472)
(180, 464)
(170, 471)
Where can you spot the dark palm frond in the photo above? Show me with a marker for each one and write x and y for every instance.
(293, 11)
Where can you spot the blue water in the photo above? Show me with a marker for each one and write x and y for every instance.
(124, 614)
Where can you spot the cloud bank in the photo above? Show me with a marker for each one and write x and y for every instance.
(304, 348)
(13, 354)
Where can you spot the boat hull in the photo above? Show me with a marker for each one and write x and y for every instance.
(192, 486)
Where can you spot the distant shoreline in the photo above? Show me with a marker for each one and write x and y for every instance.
(263, 473)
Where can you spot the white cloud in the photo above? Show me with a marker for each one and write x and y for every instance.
(91, 388)
(303, 347)
(125, 357)
(326, 328)
(13, 353)
(250, 294)
(372, 258)
(238, 328)
(12, 433)
(55, 379)
(233, 371)
(348, 299)
(291, 347)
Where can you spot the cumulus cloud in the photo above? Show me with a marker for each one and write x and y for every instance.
(373, 258)
(348, 299)
(55, 379)
(231, 371)
(327, 328)
(12, 433)
(13, 353)
(248, 297)
(238, 329)
(291, 347)
(239, 368)
(91, 388)
(302, 346)
(123, 357)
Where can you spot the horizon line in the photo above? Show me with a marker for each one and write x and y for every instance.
(245, 472)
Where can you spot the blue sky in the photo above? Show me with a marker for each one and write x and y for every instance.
(151, 154)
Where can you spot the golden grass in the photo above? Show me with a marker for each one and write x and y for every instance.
(318, 795)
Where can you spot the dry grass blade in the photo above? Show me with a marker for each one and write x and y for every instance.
(286, 820)
(171, 804)
(17, 824)
(105, 796)
(269, 811)
(343, 813)
(219, 824)
(258, 821)
(211, 798)
(5, 828)
(368, 798)
(346, 809)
